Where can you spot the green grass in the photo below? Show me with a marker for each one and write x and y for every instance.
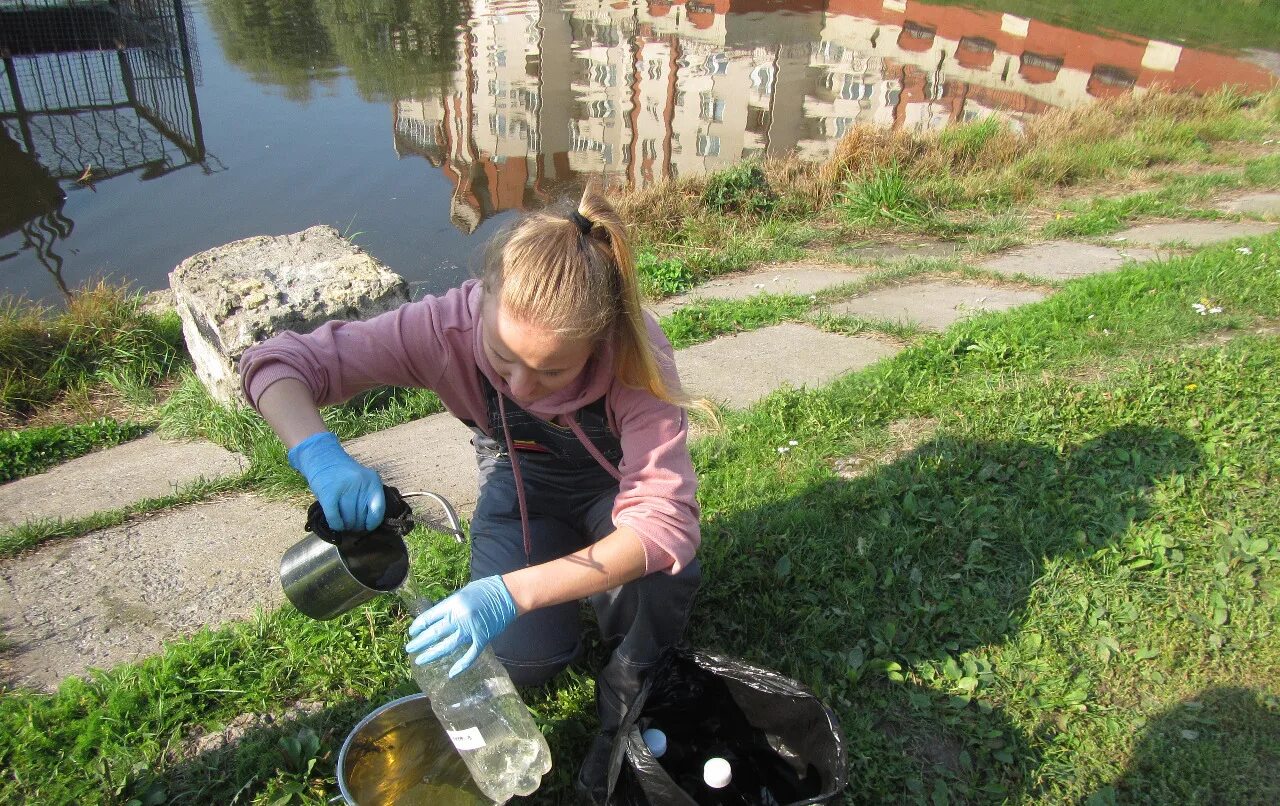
(1177, 197)
(885, 197)
(24, 452)
(102, 336)
(1074, 571)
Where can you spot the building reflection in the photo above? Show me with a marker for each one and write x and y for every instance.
(549, 92)
(91, 91)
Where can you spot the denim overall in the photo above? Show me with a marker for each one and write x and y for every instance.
(569, 503)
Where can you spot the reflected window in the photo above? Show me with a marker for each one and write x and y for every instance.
(841, 126)
(649, 148)
(717, 64)
(600, 109)
(708, 145)
(605, 74)
(498, 125)
(500, 58)
(654, 69)
(711, 107)
(1036, 68)
(762, 79)
(831, 52)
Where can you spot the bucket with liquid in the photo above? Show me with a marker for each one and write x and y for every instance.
(399, 755)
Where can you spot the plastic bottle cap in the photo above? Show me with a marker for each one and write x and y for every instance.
(717, 773)
(656, 741)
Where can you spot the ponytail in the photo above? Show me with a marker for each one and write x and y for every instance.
(576, 275)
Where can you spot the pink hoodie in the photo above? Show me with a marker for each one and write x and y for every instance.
(435, 343)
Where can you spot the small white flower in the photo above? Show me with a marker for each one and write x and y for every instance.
(1215, 310)
(792, 443)
(1244, 250)
(1119, 238)
(783, 449)
(813, 297)
(1106, 332)
(1200, 308)
(1091, 316)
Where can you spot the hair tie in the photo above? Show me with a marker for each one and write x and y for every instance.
(584, 224)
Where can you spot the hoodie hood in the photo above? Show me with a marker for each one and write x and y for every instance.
(591, 384)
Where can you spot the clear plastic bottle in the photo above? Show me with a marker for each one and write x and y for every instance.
(487, 721)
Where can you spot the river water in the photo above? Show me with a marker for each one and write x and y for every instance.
(132, 139)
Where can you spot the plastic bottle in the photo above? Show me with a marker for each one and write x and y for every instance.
(656, 741)
(727, 781)
(487, 721)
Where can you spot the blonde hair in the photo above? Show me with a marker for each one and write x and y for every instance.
(578, 278)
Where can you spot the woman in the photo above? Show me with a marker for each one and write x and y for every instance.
(587, 490)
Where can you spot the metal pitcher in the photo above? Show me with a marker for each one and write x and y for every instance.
(327, 573)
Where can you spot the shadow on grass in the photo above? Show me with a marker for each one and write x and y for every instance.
(1182, 753)
(849, 585)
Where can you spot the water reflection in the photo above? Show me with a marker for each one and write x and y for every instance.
(91, 92)
(547, 92)
(492, 105)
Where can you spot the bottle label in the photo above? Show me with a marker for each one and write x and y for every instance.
(469, 739)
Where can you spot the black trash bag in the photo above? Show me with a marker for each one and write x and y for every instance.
(378, 558)
(783, 743)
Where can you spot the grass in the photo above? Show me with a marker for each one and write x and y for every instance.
(31, 450)
(103, 337)
(1040, 602)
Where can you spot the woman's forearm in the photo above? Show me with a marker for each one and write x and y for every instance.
(613, 560)
(288, 408)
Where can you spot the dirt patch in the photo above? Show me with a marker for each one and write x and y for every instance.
(85, 405)
(905, 436)
(202, 741)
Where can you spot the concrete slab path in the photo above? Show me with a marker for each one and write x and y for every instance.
(118, 594)
(1063, 260)
(1194, 233)
(1256, 203)
(888, 252)
(934, 305)
(796, 278)
(150, 467)
(432, 454)
(739, 370)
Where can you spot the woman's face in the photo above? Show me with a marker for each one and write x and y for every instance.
(534, 361)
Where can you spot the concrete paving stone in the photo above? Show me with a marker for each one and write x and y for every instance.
(901, 251)
(934, 305)
(119, 594)
(1259, 203)
(802, 279)
(150, 467)
(1194, 233)
(739, 370)
(432, 454)
(1063, 260)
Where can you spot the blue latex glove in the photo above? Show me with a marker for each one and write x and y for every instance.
(474, 615)
(349, 493)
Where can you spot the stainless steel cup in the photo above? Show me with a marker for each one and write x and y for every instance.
(325, 579)
(326, 576)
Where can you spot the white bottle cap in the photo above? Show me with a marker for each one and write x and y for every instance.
(656, 741)
(717, 773)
